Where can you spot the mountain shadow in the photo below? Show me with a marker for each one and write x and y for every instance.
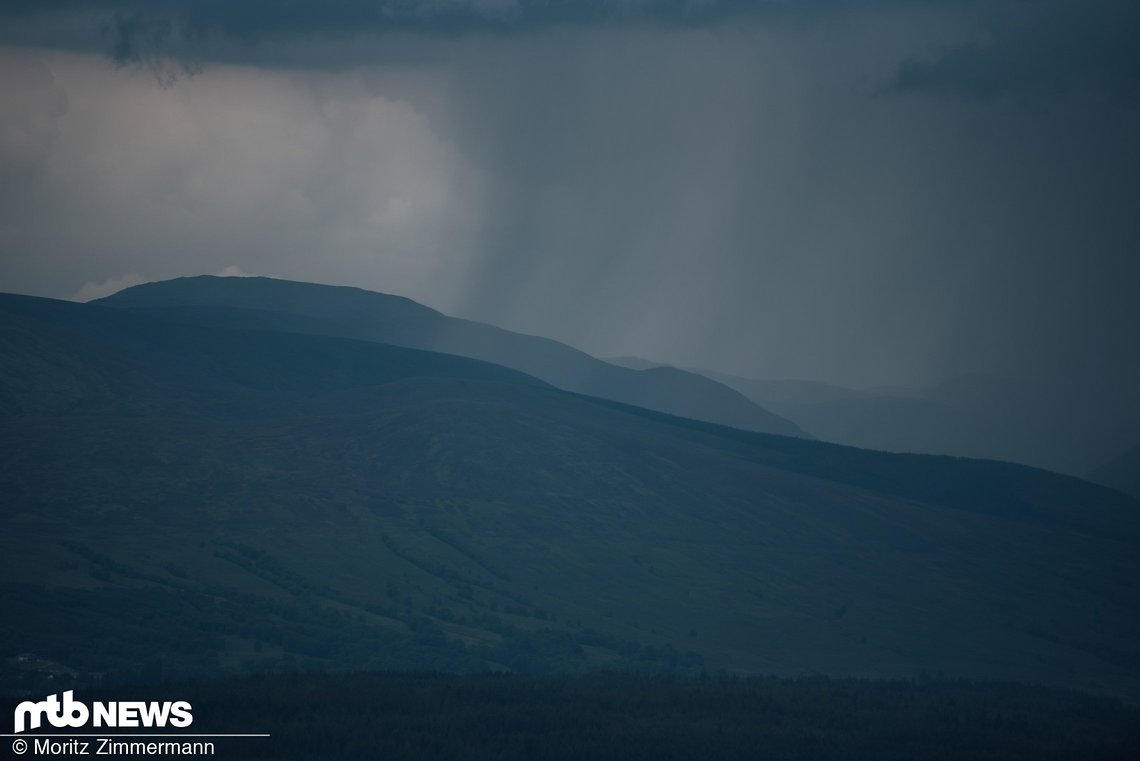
(970, 416)
(282, 305)
(184, 501)
(1121, 472)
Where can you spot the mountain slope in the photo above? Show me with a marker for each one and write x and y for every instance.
(635, 363)
(969, 417)
(903, 424)
(63, 358)
(283, 305)
(439, 513)
(1121, 472)
(789, 391)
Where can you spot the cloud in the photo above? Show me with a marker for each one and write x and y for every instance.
(1041, 47)
(91, 291)
(134, 30)
(723, 195)
(246, 170)
(232, 271)
(1011, 45)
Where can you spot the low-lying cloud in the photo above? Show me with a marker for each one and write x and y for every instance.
(879, 193)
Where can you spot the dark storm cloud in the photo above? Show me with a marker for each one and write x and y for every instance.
(136, 28)
(254, 18)
(333, 33)
(705, 183)
(1042, 46)
(1014, 45)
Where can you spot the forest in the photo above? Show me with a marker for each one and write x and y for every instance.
(391, 715)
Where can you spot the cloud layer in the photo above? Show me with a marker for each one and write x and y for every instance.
(877, 193)
(1008, 45)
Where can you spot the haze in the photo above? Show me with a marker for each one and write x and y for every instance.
(868, 194)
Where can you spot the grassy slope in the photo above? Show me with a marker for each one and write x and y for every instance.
(462, 516)
(271, 304)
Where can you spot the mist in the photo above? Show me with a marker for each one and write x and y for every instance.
(869, 196)
(615, 378)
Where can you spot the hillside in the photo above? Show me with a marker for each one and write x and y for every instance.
(789, 391)
(283, 305)
(636, 363)
(65, 358)
(1121, 472)
(905, 424)
(969, 416)
(230, 501)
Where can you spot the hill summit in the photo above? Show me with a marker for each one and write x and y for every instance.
(283, 305)
(229, 500)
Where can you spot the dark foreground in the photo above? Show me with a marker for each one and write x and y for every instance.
(611, 716)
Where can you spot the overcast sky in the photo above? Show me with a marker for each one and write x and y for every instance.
(867, 193)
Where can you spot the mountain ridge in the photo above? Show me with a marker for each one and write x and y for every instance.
(304, 307)
(967, 416)
(239, 509)
(1121, 472)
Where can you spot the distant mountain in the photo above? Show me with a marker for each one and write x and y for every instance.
(635, 363)
(905, 424)
(1121, 472)
(789, 391)
(893, 422)
(772, 392)
(282, 305)
(1041, 421)
(971, 416)
(227, 500)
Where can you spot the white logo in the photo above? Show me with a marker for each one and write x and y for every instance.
(73, 713)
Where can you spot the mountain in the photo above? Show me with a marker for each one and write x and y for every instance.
(636, 363)
(228, 500)
(282, 305)
(970, 416)
(788, 391)
(1121, 472)
(61, 358)
(905, 424)
(1048, 423)
(892, 420)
